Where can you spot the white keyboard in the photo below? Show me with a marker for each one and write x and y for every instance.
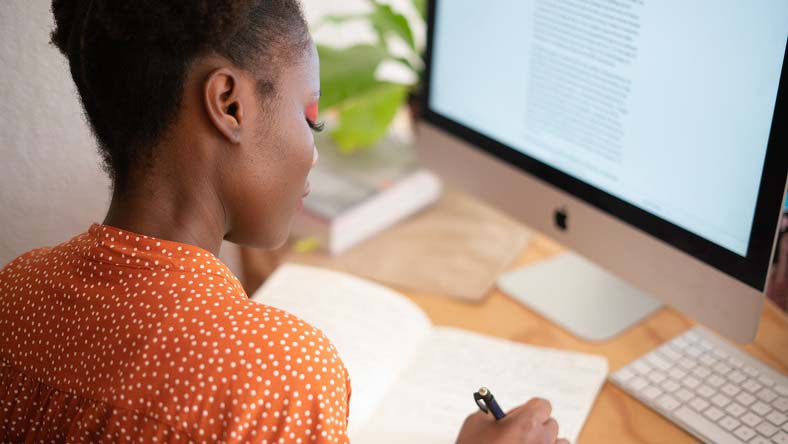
(711, 389)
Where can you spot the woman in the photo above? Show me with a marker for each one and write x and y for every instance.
(134, 330)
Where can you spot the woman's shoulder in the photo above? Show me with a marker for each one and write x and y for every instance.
(242, 353)
(38, 262)
(269, 333)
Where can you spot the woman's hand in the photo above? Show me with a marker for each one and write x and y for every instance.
(529, 423)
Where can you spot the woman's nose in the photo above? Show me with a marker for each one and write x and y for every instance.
(315, 156)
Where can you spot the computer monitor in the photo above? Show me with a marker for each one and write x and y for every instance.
(645, 136)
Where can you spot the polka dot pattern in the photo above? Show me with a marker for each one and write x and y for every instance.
(119, 337)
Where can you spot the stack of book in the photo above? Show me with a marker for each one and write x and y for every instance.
(354, 196)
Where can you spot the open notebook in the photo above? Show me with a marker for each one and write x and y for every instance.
(414, 382)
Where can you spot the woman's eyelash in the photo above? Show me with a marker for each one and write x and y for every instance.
(316, 126)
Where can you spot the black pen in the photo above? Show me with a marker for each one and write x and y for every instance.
(486, 402)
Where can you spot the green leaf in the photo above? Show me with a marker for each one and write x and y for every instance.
(339, 19)
(365, 119)
(421, 8)
(408, 63)
(387, 21)
(345, 73)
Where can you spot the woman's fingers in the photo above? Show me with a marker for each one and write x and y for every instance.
(551, 427)
(539, 409)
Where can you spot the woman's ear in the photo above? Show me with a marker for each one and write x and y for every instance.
(221, 94)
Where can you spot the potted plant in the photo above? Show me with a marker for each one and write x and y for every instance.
(361, 106)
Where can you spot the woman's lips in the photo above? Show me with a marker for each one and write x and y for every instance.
(306, 190)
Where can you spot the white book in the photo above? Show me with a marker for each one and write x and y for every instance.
(356, 196)
(413, 382)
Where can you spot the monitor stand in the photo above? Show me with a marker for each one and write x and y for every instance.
(579, 296)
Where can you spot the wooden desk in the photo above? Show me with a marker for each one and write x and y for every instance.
(616, 417)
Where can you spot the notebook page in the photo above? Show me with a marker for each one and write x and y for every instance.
(432, 398)
(375, 330)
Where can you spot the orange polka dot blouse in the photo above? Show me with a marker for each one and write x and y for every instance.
(119, 337)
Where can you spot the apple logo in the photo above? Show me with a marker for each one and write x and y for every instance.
(560, 218)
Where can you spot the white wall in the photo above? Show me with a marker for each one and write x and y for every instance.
(51, 183)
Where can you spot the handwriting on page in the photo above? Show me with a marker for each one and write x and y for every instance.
(434, 395)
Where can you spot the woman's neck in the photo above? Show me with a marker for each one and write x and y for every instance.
(190, 213)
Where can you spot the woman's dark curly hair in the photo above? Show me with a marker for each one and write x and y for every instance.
(129, 59)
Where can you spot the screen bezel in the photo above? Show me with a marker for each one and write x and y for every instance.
(751, 269)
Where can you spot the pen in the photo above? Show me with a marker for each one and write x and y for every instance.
(486, 402)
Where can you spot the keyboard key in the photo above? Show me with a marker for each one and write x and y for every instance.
(715, 381)
(685, 395)
(765, 380)
(708, 360)
(722, 369)
(710, 430)
(731, 390)
(670, 386)
(766, 395)
(766, 429)
(687, 363)
(705, 391)
(713, 413)
(744, 433)
(780, 438)
(760, 408)
(670, 353)
(641, 367)
(751, 419)
(699, 404)
(668, 403)
(690, 382)
(693, 351)
(651, 393)
(677, 374)
(704, 344)
(658, 361)
(760, 440)
(637, 383)
(781, 389)
(745, 398)
(656, 377)
(720, 353)
(735, 409)
(736, 377)
(702, 373)
(751, 386)
(624, 374)
(781, 404)
(691, 336)
(735, 363)
(776, 418)
(671, 345)
(751, 371)
(729, 423)
(720, 400)
(679, 342)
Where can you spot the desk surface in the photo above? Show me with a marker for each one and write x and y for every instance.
(616, 417)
